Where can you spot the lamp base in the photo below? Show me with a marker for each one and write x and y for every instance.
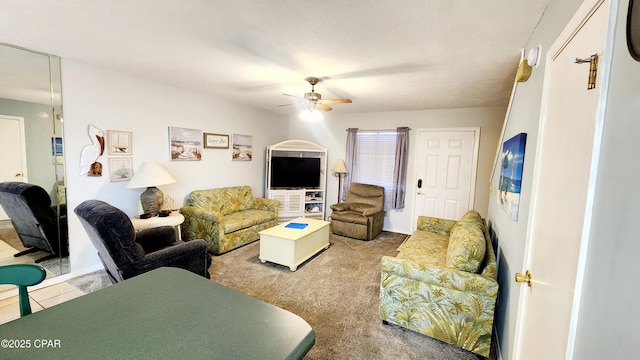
(151, 200)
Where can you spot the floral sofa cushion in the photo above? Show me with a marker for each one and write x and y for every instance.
(419, 291)
(467, 244)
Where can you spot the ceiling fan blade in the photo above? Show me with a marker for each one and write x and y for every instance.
(323, 107)
(297, 97)
(285, 104)
(336, 101)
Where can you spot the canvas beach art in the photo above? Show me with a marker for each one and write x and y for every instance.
(186, 144)
(511, 161)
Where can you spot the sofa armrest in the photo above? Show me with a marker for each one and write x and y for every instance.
(435, 225)
(443, 277)
(202, 224)
(156, 238)
(266, 204)
(192, 211)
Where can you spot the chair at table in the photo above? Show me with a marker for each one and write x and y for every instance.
(361, 216)
(40, 226)
(22, 275)
(126, 253)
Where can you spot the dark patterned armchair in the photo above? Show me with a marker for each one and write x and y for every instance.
(126, 253)
(40, 226)
(361, 216)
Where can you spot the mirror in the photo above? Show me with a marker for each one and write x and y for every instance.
(633, 29)
(31, 137)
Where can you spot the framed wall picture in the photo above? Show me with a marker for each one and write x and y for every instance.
(56, 151)
(120, 142)
(186, 144)
(120, 169)
(512, 160)
(242, 147)
(633, 29)
(216, 141)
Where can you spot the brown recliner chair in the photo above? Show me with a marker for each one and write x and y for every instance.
(361, 216)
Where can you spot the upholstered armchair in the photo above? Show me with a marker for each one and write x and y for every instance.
(126, 253)
(39, 225)
(361, 216)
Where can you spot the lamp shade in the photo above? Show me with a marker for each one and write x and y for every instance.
(339, 167)
(150, 174)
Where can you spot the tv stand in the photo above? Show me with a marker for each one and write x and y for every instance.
(298, 202)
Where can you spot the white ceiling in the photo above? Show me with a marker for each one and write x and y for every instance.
(384, 55)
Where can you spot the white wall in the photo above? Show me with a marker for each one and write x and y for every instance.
(524, 117)
(331, 133)
(607, 327)
(115, 101)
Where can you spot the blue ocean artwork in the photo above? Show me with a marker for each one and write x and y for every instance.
(511, 163)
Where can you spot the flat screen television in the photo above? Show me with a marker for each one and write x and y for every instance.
(295, 173)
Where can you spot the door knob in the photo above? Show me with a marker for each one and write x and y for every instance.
(520, 278)
(18, 174)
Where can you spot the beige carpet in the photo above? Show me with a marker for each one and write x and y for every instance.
(337, 293)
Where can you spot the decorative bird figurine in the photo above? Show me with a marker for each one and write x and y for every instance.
(90, 153)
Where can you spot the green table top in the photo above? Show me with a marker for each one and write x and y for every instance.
(167, 313)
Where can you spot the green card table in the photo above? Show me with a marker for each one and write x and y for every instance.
(167, 313)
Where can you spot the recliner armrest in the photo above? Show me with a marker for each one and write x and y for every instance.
(340, 207)
(372, 211)
(191, 255)
(156, 238)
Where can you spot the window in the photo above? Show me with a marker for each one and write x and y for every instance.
(379, 157)
(375, 160)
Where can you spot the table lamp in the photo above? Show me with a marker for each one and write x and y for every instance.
(339, 170)
(150, 175)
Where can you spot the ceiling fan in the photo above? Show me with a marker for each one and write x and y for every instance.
(314, 99)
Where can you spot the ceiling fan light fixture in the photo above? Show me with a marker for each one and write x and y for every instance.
(311, 116)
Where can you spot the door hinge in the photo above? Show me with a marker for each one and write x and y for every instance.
(593, 69)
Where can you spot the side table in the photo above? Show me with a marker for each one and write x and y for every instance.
(174, 219)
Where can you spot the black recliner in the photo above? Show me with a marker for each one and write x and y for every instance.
(40, 226)
(126, 253)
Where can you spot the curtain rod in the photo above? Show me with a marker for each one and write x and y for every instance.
(374, 130)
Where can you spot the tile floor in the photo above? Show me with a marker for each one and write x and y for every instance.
(39, 299)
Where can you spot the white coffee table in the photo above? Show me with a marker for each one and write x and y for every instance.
(291, 247)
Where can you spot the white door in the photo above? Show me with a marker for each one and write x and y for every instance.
(562, 192)
(12, 146)
(445, 172)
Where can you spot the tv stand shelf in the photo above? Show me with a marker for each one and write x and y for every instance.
(299, 201)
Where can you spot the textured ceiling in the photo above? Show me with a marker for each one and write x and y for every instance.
(384, 55)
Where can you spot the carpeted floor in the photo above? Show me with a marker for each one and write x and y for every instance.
(337, 293)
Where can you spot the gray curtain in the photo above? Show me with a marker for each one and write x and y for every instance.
(350, 161)
(400, 169)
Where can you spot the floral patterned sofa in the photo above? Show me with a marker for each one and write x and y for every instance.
(227, 218)
(443, 282)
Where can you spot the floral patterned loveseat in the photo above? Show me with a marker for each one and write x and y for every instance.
(227, 218)
(443, 282)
